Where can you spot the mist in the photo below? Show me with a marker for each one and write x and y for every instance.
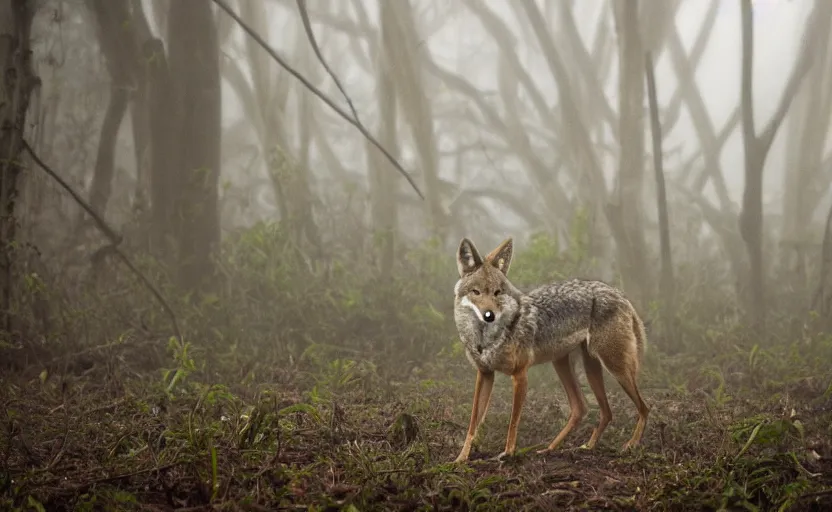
(233, 232)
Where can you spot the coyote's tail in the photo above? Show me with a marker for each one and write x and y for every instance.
(591, 318)
(641, 336)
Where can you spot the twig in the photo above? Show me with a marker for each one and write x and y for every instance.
(126, 475)
(816, 494)
(115, 239)
(310, 34)
(254, 35)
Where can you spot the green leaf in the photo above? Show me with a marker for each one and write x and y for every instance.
(35, 504)
(750, 439)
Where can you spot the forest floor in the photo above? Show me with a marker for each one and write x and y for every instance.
(104, 434)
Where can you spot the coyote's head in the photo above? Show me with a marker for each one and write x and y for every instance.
(483, 284)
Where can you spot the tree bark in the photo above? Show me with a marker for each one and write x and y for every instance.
(17, 82)
(163, 168)
(194, 68)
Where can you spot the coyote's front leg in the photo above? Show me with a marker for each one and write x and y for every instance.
(520, 380)
(482, 396)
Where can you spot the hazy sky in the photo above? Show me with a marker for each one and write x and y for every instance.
(457, 42)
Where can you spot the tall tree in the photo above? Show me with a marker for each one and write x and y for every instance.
(119, 45)
(17, 81)
(195, 118)
(630, 189)
(757, 147)
(807, 131)
(822, 303)
(382, 183)
(666, 283)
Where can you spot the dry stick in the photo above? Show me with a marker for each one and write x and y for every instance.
(355, 122)
(310, 34)
(115, 239)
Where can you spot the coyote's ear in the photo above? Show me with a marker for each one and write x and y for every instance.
(467, 257)
(501, 256)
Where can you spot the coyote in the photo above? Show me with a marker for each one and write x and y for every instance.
(506, 330)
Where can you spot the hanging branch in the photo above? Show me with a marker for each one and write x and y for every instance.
(114, 238)
(310, 34)
(355, 122)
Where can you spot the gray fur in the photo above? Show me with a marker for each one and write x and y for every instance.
(548, 323)
(504, 329)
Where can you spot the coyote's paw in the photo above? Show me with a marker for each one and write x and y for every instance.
(502, 457)
(629, 445)
(552, 447)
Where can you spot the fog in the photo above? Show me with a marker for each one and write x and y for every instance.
(233, 246)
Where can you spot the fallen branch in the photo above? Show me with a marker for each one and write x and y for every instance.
(114, 238)
(355, 122)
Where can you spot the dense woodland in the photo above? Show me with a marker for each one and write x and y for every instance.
(227, 248)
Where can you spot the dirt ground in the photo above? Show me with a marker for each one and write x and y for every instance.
(106, 436)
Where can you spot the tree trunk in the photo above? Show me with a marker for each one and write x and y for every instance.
(807, 131)
(417, 110)
(140, 110)
(382, 186)
(757, 148)
(299, 179)
(822, 303)
(630, 193)
(118, 44)
(685, 66)
(666, 284)
(577, 138)
(194, 69)
(163, 151)
(17, 81)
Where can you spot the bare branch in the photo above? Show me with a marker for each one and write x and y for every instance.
(307, 25)
(801, 68)
(254, 35)
(114, 238)
(583, 59)
(702, 122)
(702, 38)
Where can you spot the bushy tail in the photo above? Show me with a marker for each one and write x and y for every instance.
(641, 335)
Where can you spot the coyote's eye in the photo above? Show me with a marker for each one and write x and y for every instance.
(497, 292)
(475, 291)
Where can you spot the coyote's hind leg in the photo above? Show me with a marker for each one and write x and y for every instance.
(595, 377)
(577, 406)
(616, 346)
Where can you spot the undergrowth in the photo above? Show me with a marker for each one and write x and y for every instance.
(318, 384)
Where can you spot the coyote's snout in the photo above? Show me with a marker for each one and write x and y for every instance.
(506, 330)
